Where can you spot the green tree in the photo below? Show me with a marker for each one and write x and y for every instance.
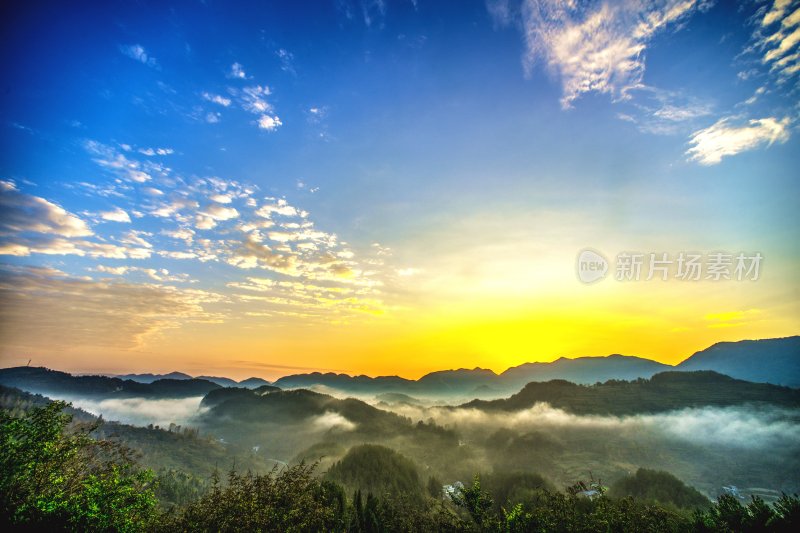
(54, 476)
(478, 503)
(292, 499)
(658, 486)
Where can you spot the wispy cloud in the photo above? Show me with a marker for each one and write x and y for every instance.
(237, 72)
(156, 151)
(254, 99)
(729, 137)
(287, 61)
(155, 274)
(217, 99)
(53, 310)
(138, 53)
(276, 262)
(662, 112)
(598, 47)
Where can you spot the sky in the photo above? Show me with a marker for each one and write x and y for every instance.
(394, 187)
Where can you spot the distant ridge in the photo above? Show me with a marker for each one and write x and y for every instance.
(666, 391)
(221, 381)
(775, 361)
(483, 383)
(149, 378)
(585, 370)
(250, 383)
(253, 383)
(45, 381)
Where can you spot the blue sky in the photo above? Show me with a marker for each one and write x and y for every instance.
(262, 168)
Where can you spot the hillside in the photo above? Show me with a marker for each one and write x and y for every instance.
(174, 448)
(52, 382)
(585, 370)
(663, 392)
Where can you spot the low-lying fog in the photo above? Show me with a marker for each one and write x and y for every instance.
(708, 447)
(141, 411)
(747, 427)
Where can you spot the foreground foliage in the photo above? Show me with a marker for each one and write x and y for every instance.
(54, 476)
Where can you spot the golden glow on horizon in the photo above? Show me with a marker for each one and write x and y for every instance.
(482, 332)
(471, 305)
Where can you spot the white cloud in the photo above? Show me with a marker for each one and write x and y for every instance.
(81, 248)
(663, 112)
(373, 11)
(117, 215)
(204, 222)
(134, 238)
(178, 255)
(593, 48)
(175, 206)
(208, 217)
(280, 207)
(156, 151)
(212, 117)
(221, 198)
(217, 99)
(776, 12)
(254, 99)
(219, 212)
(287, 60)
(330, 420)
(675, 113)
(117, 271)
(269, 123)
(115, 162)
(237, 72)
(725, 138)
(778, 37)
(155, 274)
(138, 53)
(22, 212)
(183, 234)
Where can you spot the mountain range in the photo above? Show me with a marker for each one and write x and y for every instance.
(774, 361)
(250, 383)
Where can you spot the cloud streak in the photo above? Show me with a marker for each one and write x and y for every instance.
(138, 53)
(598, 47)
(726, 137)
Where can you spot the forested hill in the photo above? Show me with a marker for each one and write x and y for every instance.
(52, 382)
(663, 392)
(162, 449)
